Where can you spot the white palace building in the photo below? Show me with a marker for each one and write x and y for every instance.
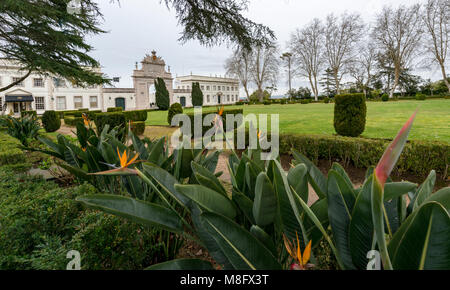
(41, 93)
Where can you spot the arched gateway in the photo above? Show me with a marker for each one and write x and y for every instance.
(153, 67)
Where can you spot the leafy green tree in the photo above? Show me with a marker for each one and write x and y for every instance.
(197, 95)
(255, 97)
(162, 94)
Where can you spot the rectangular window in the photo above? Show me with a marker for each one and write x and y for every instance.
(207, 87)
(228, 98)
(78, 102)
(40, 103)
(93, 102)
(214, 88)
(14, 79)
(202, 87)
(38, 82)
(207, 98)
(228, 88)
(1, 104)
(60, 103)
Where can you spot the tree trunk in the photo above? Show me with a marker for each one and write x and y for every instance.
(396, 79)
(336, 82)
(444, 75)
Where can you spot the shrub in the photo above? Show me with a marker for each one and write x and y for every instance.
(72, 121)
(326, 100)
(174, 109)
(197, 95)
(113, 119)
(224, 117)
(384, 97)
(267, 103)
(350, 114)
(137, 115)
(9, 151)
(51, 121)
(305, 101)
(24, 129)
(114, 109)
(161, 95)
(420, 97)
(138, 128)
(28, 113)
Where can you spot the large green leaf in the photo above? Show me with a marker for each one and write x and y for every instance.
(208, 199)
(361, 226)
(244, 203)
(265, 203)
(183, 264)
(316, 178)
(264, 238)
(135, 210)
(243, 250)
(393, 190)
(425, 190)
(442, 196)
(298, 179)
(424, 245)
(340, 205)
(207, 178)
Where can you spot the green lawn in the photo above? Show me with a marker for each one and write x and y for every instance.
(384, 119)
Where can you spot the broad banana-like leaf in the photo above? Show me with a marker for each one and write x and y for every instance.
(320, 210)
(186, 158)
(425, 190)
(264, 238)
(135, 210)
(251, 173)
(244, 203)
(361, 233)
(341, 200)
(265, 203)
(183, 264)
(116, 172)
(316, 178)
(424, 245)
(341, 171)
(243, 250)
(208, 199)
(157, 151)
(393, 190)
(298, 179)
(442, 196)
(207, 178)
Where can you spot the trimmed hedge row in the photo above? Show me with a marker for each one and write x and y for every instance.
(138, 128)
(28, 113)
(113, 119)
(418, 157)
(9, 151)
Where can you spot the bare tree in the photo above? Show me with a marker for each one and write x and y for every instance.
(239, 65)
(341, 38)
(397, 34)
(264, 68)
(307, 47)
(437, 21)
(362, 69)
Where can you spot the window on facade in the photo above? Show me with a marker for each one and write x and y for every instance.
(1, 104)
(207, 99)
(228, 98)
(60, 103)
(214, 88)
(38, 82)
(59, 83)
(40, 103)
(93, 102)
(228, 88)
(202, 87)
(17, 79)
(78, 102)
(207, 87)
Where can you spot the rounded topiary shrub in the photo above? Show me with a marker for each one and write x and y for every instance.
(51, 121)
(420, 97)
(137, 115)
(350, 114)
(326, 100)
(385, 98)
(138, 128)
(174, 109)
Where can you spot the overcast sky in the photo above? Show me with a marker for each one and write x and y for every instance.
(137, 27)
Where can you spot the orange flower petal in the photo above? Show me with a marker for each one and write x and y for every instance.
(307, 254)
(132, 160)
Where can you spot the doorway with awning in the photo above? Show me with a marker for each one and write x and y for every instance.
(18, 102)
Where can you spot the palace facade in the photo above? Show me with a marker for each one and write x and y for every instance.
(42, 92)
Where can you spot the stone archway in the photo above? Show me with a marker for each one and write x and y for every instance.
(153, 67)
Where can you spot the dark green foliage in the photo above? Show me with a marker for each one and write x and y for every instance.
(162, 94)
(24, 129)
(326, 100)
(28, 113)
(418, 157)
(174, 109)
(9, 151)
(267, 103)
(113, 119)
(224, 118)
(420, 97)
(305, 101)
(72, 120)
(384, 97)
(138, 115)
(114, 109)
(350, 114)
(42, 222)
(197, 95)
(138, 128)
(51, 121)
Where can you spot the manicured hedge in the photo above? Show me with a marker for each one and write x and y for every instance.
(350, 114)
(113, 119)
(114, 109)
(174, 109)
(137, 115)
(418, 157)
(224, 118)
(51, 121)
(9, 151)
(72, 121)
(138, 128)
